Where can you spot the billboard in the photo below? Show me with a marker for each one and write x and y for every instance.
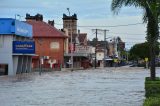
(24, 47)
(9, 26)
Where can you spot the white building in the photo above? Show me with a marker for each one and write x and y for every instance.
(16, 47)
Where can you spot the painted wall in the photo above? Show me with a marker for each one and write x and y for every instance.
(9, 29)
(6, 52)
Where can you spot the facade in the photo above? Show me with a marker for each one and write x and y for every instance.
(81, 58)
(115, 46)
(51, 44)
(108, 50)
(16, 47)
(82, 39)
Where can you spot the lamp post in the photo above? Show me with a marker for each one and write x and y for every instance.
(40, 56)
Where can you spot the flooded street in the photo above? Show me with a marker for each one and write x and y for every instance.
(94, 87)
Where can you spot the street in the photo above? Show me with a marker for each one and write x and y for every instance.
(122, 86)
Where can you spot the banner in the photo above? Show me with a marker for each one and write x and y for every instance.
(24, 47)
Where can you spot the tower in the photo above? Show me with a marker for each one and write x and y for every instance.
(70, 23)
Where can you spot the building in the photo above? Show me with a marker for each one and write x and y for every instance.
(100, 56)
(16, 47)
(81, 55)
(108, 50)
(70, 23)
(115, 45)
(51, 43)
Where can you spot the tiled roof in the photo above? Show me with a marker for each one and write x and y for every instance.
(82, 37)
(42, 29)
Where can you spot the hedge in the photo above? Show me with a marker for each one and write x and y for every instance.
(152, 87)
(152, 92)
(152, 101)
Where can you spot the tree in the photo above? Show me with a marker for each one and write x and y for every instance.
(151, 13)
(94, 39)
(141, 50)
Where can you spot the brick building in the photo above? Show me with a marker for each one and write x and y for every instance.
(70, 23)
(50, 43)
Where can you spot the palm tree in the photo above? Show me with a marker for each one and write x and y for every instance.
(151, 13)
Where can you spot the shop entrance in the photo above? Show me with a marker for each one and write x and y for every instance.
(3, 69)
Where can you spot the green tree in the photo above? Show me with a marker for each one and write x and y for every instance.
(94, 39)
(151, 13)
(141, 51)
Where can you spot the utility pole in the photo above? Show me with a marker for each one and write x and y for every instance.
(96, 43)
(105, 45)
(95, 62)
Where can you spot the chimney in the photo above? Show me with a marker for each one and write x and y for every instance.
(37, 17)
(51, 23)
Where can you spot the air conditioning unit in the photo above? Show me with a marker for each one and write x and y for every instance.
(46, 57)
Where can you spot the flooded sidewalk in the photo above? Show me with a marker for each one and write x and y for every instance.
(94, 87)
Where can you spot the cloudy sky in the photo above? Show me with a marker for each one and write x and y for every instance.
(89, 13)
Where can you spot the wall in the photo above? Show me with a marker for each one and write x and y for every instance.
(100, 55)
(12, 30)
(43, 48)
(6, 53)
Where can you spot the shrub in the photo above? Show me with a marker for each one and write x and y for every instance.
(152, 87)
(152, 101)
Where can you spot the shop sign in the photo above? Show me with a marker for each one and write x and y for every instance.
(24, 47)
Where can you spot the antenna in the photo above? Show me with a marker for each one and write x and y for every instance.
(68, 11)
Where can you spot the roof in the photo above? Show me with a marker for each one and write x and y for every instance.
(42, 29)
(82, 37)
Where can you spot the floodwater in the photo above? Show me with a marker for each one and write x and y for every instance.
(95, 87)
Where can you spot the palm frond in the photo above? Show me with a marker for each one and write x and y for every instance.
(117, 4)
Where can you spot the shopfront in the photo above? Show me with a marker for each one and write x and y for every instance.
(16, 47)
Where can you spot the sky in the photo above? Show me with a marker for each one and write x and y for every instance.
(89, 13)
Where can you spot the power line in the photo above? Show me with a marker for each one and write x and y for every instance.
(87, 26)
(105, 25)
(113, 25)
(126, 33)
